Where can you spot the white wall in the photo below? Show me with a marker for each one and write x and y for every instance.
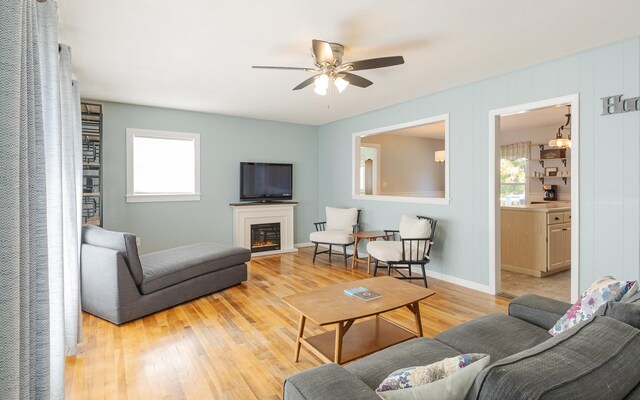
(609, 163)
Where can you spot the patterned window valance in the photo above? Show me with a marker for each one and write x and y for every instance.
(516, 150)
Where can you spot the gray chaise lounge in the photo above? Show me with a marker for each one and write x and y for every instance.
(597, 359)
(120, 286)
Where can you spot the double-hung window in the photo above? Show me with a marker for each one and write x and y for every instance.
(162, 166)
(513, 173)
(513, 179)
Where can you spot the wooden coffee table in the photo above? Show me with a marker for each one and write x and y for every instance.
(330, 305)
(369, 235)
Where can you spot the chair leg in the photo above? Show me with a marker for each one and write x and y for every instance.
(344, 252)
(388, 269)
(424, 276)
(409, 269)
(329, 254)
(315, 252)
(375, 267)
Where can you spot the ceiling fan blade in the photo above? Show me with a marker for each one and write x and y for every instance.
(375, 63)
(291, 68)
(322, 51)
(356, 80)
(306, 82)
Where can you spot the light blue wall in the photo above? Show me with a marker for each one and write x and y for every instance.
(609, 162)
(225, 141)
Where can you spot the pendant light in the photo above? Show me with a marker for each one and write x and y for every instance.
(560, 142)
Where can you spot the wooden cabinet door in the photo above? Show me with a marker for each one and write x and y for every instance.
(555, 246)
(566, 244)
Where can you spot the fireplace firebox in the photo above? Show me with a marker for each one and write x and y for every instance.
(265, 237)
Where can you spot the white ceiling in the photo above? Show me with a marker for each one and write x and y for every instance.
(551, 117)
(197, 55)
(434, 130)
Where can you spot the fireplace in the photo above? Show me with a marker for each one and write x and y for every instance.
(245, 215)
(265, 237)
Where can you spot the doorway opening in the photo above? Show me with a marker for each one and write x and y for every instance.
(533, 199)
(369, 169)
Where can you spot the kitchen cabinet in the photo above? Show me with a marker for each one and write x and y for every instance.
(535, 239)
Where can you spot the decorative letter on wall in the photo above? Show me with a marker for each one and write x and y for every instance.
(615, 104)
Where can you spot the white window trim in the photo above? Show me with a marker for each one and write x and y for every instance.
(355, 163)
(144, 198)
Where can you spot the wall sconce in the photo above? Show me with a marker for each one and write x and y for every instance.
(440, 156)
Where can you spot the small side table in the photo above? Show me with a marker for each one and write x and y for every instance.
(369, 235)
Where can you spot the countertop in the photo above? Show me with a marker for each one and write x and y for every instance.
(544, 207)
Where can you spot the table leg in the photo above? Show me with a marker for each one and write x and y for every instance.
(300, 332)
(369, 264)
(338, 351)
(416, 314)
(354, 261)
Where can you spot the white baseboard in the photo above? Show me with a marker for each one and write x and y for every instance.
(457, 281)
(299, 245)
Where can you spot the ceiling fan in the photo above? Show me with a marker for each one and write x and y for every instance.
(327, 58)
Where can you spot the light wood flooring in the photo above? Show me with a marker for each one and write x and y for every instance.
(556, 286)
(234, 344)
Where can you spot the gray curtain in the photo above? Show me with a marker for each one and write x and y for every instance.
(24, 279)
(40, 202)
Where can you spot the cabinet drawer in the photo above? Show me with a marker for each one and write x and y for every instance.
(566, 217)
(555, 218)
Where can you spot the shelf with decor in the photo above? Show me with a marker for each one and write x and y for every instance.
(542, 160)
(543, 177)
(91, 115)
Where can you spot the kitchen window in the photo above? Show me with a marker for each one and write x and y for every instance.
(513, 178)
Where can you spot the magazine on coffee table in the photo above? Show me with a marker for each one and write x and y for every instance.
(351, 292)
(362, 293)
(368, 295)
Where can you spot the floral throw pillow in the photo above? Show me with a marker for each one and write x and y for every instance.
(601, 291)
(450, 378)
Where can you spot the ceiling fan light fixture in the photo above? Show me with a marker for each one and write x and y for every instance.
(322, 84)
(340, 83)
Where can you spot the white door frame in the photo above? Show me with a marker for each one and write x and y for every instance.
(494, 179)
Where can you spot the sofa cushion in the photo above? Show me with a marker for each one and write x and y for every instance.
(494, 334)
(541, 311)
(597, 359)
(333, 237)
(341, 219)
(373, 369)
(123, 242)
(168, 267)
(632, 299)
(328, 381)
(629, 313)
(601, 291)
(450, 379)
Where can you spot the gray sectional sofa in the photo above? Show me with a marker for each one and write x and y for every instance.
(120, 286)
(597, 359)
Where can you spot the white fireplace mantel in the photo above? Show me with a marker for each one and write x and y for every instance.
(245, 215)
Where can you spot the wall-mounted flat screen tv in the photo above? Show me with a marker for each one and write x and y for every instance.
(266, 181)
